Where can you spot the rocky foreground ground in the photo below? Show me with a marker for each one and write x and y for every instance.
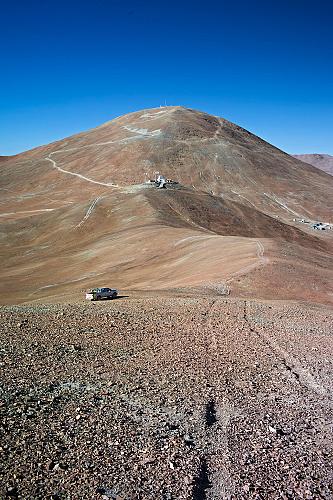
(166, 398)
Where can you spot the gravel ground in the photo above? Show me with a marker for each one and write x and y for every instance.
(166, 398)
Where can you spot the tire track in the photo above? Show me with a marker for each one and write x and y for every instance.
(213, 480)
(263, 260)
(89, 211)
(292, 365)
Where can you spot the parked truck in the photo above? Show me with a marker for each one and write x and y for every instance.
(101, 293)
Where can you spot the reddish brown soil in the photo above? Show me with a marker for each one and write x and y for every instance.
(211, 377)
(155, 398)
(229, 226)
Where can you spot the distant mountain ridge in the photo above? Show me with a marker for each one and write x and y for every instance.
(322, 161)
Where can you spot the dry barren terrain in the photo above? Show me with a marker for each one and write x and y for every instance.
(167, 398)
(210, 377)
(77, 213)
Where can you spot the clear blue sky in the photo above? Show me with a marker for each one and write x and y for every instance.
(69, 66)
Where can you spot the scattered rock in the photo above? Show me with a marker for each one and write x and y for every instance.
(12, 492)
(138, 421)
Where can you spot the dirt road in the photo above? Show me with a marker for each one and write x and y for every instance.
(167, 398)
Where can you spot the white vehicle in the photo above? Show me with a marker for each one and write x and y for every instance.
(101, 293)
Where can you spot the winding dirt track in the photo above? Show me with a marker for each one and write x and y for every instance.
(262, 260)
(75, 174)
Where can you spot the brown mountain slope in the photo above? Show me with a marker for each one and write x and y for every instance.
(197, 149)
(322, 161)
(73, 216)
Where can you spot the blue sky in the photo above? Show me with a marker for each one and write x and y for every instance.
(69, 66)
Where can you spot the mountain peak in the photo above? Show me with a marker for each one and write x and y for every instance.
(85, 198)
